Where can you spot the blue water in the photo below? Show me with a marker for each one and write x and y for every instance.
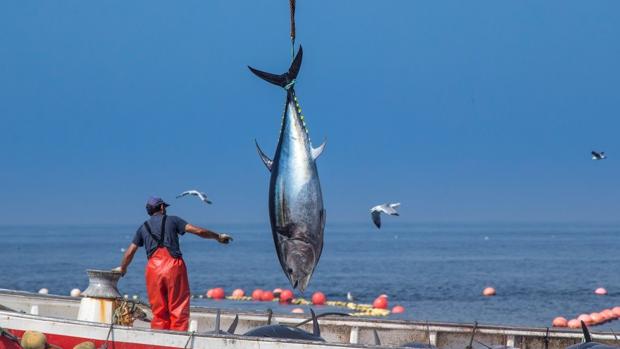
(437, 271)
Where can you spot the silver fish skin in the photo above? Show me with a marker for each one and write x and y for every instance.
(296, 211)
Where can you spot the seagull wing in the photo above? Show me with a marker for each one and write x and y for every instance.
(185, 193)
(376, 218)
(389, 210)
(395, 205)
(203, 197)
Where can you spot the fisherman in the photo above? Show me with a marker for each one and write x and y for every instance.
(166, 276)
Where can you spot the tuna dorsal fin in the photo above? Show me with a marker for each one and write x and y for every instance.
(233, 325)
(316, 330)
(269, 315)
(266, 160)
(316, 152)
(586, 333)
(217, 320)
(377, 340)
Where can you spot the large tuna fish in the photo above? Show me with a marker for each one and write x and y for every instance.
(295, 201)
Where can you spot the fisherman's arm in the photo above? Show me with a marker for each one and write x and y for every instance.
(127, 258)
(208, 234)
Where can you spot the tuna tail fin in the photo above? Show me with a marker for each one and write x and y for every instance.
(586, 333)
(316, 330)
(233, 325)
(286, 80)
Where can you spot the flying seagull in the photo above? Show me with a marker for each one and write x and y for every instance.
(390, 209)
(598, 155)
(197, 193)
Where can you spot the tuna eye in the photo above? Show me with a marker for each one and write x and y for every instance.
(290, 271)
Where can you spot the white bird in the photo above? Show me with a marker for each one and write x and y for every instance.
(598, 155)
(197, 193)
(350, 297)
(389, 209)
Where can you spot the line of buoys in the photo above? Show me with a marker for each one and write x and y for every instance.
(44, 291)
(286, 296)
(75, 292)
(592, 319)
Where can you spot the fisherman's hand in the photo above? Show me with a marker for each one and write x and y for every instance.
(224, 239)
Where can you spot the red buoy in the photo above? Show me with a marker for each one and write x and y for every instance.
(574, 323)
(597, 318)
(560, 322)
(218, 293)
(488, 292)
(238, 293)
(616, 311)
(267, 296)
(209, 293)
(297, 311)
(398, 309)
(380, 303)
(257, 294)
(608, 314)
(286, 296)
(585, 318)
(600, 291)
(318, 298)
(277, 291)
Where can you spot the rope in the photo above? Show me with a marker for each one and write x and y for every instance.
(292, 10)
(10, 336)
(191, 335)
(105, 344)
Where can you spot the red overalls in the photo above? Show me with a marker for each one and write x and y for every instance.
(167, 286)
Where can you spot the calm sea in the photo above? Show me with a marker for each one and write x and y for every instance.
(437, 271)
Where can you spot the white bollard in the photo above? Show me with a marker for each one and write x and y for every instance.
(34, 309)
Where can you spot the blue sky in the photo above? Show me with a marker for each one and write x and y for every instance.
(463, 111)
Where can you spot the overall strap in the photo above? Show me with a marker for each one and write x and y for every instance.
(160, 240)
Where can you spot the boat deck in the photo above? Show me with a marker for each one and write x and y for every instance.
(49, 311)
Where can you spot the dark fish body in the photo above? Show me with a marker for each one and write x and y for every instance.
(280, 331)
(296, 210)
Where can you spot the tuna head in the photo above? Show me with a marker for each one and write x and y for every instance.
(297, 254)
(299, 258)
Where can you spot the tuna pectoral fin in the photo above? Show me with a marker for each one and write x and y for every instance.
(316, 152)
(266, 160)
(285, 80)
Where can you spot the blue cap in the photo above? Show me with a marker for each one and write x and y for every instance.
(155, 201)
